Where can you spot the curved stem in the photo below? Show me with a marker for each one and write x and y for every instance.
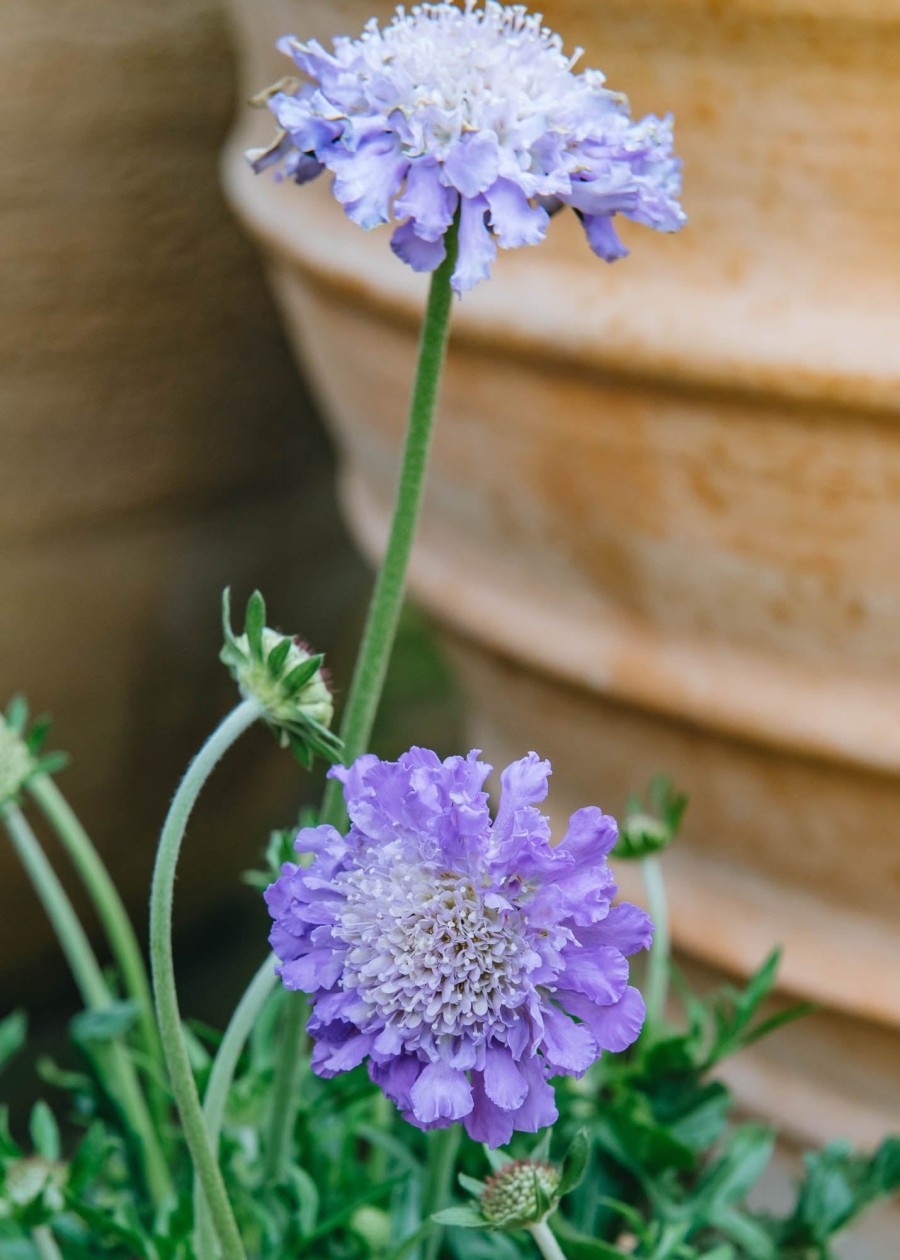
(546, 1243)
(657, 986)
(165, 994)
(286, 1087)
(119, 932)
(113, 1057)
(215, 1099)
(387, 598)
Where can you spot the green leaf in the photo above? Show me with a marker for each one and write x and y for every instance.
(581, 1246)
(13, 1031)
(728, 1179)
(302, 673)
(460, 1217)
(750, 1235)
(277, 658)
(254, 624)
(575, 1162)
(227, 632)
(17, 714)
(44, 1132)
(799, 1010)
(106, 1024)
(474, 1187)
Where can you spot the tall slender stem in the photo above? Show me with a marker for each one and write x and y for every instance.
(116, 1064)
(119, 932)
(165, 994)
(387, 598)
(286, 1087)
(218, 1086)
(657, 986)
(546, 1243)
(443, 1150)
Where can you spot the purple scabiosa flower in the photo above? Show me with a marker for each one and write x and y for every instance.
(472, 110)
(468, 960)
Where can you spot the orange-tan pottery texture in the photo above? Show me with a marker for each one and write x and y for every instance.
(149, 451)
(661, 528)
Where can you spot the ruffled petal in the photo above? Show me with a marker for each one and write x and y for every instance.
(539, 1108)
(420, 254)
(513, 218)
(441, 1093)
(603, 238)
(567, 1046)
(429, 203)
(627, 927)
(477, 249)
(367, 179)
(487, 1122)
(504, 1084)
(472, 164)
(599, 972)
(613, 1027)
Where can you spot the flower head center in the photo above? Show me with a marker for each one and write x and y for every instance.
(431, 954)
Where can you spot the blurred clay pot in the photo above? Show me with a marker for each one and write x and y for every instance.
(150, 451)
(662, 524)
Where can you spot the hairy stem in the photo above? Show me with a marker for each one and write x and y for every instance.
(387, 598)
(443, 1150)
(286, 1087)
(657, 986)
(546, 1243)
(113, 1058)
(168, 1015)
(119, 932)
(215, 1099)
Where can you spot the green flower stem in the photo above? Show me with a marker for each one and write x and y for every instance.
(119, 932)
(387, 599)
(165, 994)
(286, 1087)
(657, 986)
(45, 1243)
(546, 1243)
(443, 1150)
(116, 1064)
(218, 1087)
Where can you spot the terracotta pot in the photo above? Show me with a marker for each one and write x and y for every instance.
(661, 527)
(150, 452)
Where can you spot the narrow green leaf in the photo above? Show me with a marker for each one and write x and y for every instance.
(277, 658)
(13, 1031)
(254, 624)
(460, 1217)
(474, 1187)
(106, 1024)
(44, 1131)
(302, 673)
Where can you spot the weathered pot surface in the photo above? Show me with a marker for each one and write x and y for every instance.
(661, 521)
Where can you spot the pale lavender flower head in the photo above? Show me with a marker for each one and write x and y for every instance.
(471, 109)
(468, 960)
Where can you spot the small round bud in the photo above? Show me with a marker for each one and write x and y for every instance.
(16, 762)
(520, 1194)
(281, 704)
(285, 679)
(373, 1226)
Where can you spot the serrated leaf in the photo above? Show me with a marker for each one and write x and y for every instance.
(44, 1132)
(105, 1024)
(13, 1031)
(575, 1163)
(459, 1217)
(254, 624)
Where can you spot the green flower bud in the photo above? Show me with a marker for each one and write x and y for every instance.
(285, 679)
(16, 762)
(520, 1194)
(20, 750)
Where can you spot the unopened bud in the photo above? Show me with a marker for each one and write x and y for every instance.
(520, 1194)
